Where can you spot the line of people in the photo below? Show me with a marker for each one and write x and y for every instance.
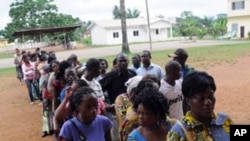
(140, 102)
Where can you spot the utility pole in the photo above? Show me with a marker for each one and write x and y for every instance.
(149, 31)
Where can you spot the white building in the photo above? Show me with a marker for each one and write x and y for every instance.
(109, 31)
(238, 13)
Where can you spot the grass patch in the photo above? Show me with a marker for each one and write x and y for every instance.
(199, 57)
(7, 71)
(206, 57)
(6, 55)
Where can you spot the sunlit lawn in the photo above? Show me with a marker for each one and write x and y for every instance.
(199, 57)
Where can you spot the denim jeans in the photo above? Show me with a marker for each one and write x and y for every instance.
(29, 84)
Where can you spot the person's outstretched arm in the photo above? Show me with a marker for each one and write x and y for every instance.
(62, 111)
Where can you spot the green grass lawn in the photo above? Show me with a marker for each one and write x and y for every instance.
(6, 55)
(7, 71)
(199, 57)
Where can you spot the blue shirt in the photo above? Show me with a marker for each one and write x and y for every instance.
(132, 67)
(153, 70)
(135, 136)
(95, 131)
(63, 92)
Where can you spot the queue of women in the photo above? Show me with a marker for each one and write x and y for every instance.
(141, 102)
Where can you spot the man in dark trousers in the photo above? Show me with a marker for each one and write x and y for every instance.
(114, 83)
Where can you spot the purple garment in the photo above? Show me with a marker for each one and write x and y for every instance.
(93, 132)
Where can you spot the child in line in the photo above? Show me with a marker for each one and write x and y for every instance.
(63, 111)
(87, 125)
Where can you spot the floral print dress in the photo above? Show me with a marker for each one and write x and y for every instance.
(218, 130)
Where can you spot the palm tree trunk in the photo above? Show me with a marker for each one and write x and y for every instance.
(125, 47)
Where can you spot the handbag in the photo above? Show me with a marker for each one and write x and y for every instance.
(82, 137)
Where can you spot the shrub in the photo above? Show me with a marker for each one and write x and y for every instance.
(87, 41)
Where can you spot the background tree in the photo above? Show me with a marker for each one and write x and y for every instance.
(219, 26)
(130, 13)
(207, 22)
(190, 25)
(187, 24)
(30, 14)
(125, 47)
(116, 12)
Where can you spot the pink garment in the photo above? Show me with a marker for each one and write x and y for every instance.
(28, 71)
(101, 106)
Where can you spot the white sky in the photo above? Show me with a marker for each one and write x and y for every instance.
(102, 9)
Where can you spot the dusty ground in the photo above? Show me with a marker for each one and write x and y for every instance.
(21, 121)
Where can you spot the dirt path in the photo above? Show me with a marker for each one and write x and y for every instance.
(21, 121)
(233, 89)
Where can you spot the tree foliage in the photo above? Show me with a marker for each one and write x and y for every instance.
(219, 26)
(135, 13)
(116, 12)
(31, 14)
(129, 13)
(190, 25)
(187, 24)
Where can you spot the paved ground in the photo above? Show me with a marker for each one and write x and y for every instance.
(95, 52)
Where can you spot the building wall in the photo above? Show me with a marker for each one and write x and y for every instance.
(163, 29)
(110, 37)
(98, 35)
(105, 36)
(162, 34)
(142, 34)
(238, 12)
(239, 18)
(241, 22)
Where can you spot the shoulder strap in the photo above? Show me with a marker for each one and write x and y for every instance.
(82, 137)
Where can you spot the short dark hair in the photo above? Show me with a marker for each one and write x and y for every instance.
(77, 97)
(81, 82)
(144, 83)
(62, 67)
(73, 57)
(197, 82)
(146, 52)
(171, 66)
(105, 61)
(154, 101)
(153, 78)
(137, 56)
(92, 63)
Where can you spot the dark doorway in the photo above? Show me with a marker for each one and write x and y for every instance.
(242, 32)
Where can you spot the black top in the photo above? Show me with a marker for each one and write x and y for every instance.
(186, 70)
(114, 83)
